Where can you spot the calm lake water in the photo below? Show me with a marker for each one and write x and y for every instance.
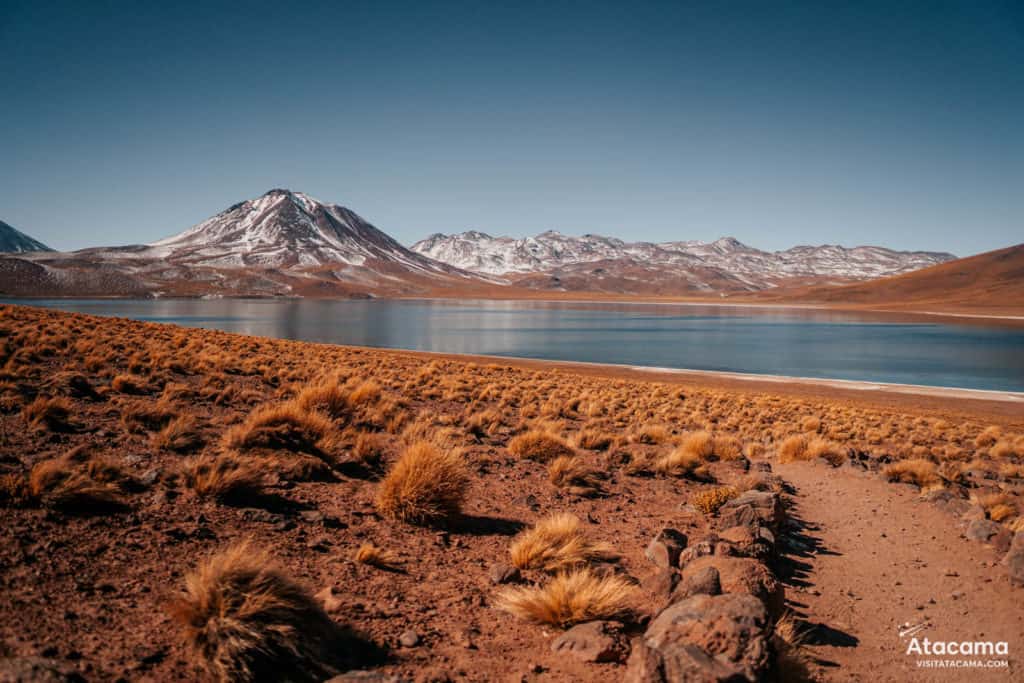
(796, 342)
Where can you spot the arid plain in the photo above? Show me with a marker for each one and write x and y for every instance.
(181, 503)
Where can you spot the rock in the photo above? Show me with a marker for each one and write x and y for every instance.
(751, 541)
(987, 531)
(704, 581)
(660, 586)
(704, 638)
(312, 516)
(974, 512)
(36, 670)
(409, 639)
(699, 549)
(761, 466)
(752, 507)
(593, 641)
(329, 600)
(665, 548)
(740, 575)
(150, 477)
(364, 677)
(1014, 559)
(948, 500)
(503, 573)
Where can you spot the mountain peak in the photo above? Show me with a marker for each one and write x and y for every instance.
(15, 241)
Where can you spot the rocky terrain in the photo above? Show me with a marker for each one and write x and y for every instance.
(185, 504)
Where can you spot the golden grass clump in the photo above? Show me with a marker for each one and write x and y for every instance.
(129, 384)
(823, 448)
(375, 556)
(539, 445)
(594, 440)
(793, 448)
(710, 500)
(425, 485)
(180, 435)
(14, 491)
(914, 471)
(78, 482)
(285, 426)
(566, 472)
(555, 543)
(245, 620)
(226, 477)
(52, 414)
(570, 598)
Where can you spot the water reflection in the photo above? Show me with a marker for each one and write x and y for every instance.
(799, 342)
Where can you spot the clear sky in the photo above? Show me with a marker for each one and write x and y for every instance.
(894, 123)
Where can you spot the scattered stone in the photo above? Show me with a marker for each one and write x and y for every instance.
(312, 516)
(37, 670)
(593, 641)
(364, 677)
(503, 573)
(704, 638)
(665, 548)
(409, 639)
(330, 601)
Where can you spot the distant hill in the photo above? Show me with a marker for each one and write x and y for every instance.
(15, 241)
(990, 282)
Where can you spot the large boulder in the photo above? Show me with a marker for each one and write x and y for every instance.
(992, 533)
(740, 575)
(704, 639)
(752, 507)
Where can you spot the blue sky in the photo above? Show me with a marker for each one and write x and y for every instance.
(895, 123)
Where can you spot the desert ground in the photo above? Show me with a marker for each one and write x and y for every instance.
(184, 504)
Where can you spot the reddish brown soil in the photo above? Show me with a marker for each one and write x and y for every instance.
(91, 591)
(880, 558)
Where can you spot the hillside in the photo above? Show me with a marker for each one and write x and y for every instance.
(992, 283)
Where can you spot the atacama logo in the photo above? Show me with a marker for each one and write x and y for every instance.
(966, 647)
(959, 654)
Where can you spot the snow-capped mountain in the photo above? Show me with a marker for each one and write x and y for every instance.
(16, 242)
(551, 251)
(281, 243)
(285, 229)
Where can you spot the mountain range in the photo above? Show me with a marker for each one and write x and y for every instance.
(286, 243)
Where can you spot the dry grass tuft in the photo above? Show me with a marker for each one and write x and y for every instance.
(286, 426)
(375, 556)
(14, 491)
(424, 486)
(245, 620)
(571, 473)
(710, 500)
(539, 445)
(52, 414)
(594, 440)
(78, 483)
(555, 543)
(226, 477)
(918, 471)
(793, 448)
(180, 435)
(570, 598)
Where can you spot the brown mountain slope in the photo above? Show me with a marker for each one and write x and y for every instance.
(989, 283)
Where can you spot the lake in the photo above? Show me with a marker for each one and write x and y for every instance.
(770, 341)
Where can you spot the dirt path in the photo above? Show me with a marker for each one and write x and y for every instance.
(870, 558)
